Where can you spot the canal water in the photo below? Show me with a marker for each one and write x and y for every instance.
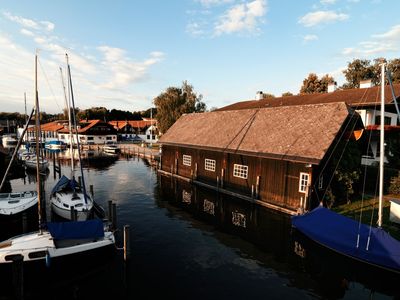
(191, 243)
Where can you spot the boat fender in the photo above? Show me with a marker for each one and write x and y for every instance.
(48, 260)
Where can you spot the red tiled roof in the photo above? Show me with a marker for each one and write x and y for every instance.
(51, 126)
(301, 133)
(353, 97)
(136, 123)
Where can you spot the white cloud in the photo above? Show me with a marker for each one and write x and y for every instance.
(326, 2)
(392, 34)
(380, 44)
(310, 37)
(26, 32)
(28, 23)
(243, 17)
(195, 29)
(208, 3)
(123, 70)
(322, 17)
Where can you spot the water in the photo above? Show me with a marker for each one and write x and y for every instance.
(186, 247)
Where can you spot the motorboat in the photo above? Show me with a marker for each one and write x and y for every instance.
(17, 202)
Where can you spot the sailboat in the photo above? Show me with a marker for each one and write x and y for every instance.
(367, 245)
(67, 194)
(56, 241)
(13, 204)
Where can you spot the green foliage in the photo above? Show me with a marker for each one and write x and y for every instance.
(394, 187)
(312, 84)
(287, 94)
(175, 102)
(268, 95)
(346, 165)
(362, 69)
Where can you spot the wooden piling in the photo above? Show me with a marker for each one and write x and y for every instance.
(114, 216)
(91, 190)
(80, 180)
(110, 210)
(74, 213)
(24, 222)
(127, 248)
(18, 276)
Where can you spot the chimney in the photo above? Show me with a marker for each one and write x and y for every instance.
(364, 84)
(259, 95)
(332, 87)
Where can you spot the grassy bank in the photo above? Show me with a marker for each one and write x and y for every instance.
(369, 208)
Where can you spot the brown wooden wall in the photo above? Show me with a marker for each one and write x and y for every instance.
(278, 179)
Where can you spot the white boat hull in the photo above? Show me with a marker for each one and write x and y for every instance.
(61, 204)
(36, 246)
(14, 203)
(31, 164)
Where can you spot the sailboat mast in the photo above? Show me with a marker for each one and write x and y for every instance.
(76, 131)
(382, 144)
(68, 108)
(38, 131)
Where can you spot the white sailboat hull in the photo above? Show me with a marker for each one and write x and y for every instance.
(15, 203)
(61, 204)
(36, 246)
(31, 164)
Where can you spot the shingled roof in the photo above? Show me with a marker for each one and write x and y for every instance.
(296, 133)
(354, 97)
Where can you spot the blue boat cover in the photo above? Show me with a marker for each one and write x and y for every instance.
(63, 183)
(339, 233)
(76, 230)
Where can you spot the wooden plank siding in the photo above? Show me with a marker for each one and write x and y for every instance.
(278, 179)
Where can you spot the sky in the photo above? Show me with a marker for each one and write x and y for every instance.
(124, 53)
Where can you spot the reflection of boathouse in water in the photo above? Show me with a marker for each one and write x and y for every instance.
(270, 156)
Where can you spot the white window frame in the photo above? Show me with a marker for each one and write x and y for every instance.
(320, 182)
(187, 160)
(240, 171)
(209, 164)
(303, 182)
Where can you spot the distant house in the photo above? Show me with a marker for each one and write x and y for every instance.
(91, 132)
(271, 156)
(49, 131)
(365, 100)
(137, 130)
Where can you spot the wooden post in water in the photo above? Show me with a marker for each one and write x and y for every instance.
(222, 177)
(80, 180)
(127, 246)
(59, 168)
(91, 191)
(24, 223)
(110, 210)
(114, 216)
(73, 213)
(54, 167)
(18, 276)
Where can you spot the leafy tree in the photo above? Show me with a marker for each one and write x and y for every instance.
(312, 84)
(394, 68)
(268, 95)
(285, 94)
(357, 70)
(174, 102)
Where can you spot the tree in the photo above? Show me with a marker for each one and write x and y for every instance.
(174, 102)
(285, 94)
(394, 68)
(268, 95)
(357, 70)
(312, 84)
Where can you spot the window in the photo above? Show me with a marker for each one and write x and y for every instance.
(303, 182)
(187, 160)
(321, 182)
(240, 171)
(108, 138)
(387, 120)
(90, 138)
(209, 165)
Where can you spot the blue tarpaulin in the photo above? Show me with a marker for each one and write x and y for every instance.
(63, 183)
(339, 233)
(76, 230)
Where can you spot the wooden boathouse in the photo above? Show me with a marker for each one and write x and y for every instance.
(269, 156)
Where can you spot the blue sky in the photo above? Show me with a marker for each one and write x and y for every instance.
(125, 53)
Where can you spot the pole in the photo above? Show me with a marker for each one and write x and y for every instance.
(127, 248)
(382, 145)
(16, 149)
